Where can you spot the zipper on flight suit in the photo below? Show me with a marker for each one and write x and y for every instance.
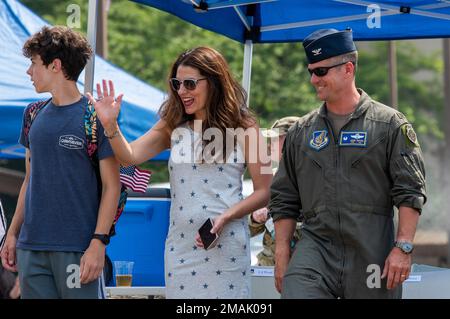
(336, 166)
(339, 215)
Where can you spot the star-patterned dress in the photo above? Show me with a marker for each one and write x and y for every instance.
(200, 191)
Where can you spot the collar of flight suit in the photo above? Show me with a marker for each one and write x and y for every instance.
(361, 108)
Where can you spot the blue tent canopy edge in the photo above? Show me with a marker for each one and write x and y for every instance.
(268, 21)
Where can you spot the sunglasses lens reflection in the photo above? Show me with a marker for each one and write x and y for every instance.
(323, 70)
(319, 71)
(189, 84)
(175, 84)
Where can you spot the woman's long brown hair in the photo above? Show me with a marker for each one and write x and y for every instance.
(226, 101)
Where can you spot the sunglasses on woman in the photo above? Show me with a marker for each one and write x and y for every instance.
(189, 84)
(323, 70)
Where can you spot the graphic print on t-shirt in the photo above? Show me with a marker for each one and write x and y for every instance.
(71, 142)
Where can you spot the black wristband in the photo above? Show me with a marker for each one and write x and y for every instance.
(104, 238)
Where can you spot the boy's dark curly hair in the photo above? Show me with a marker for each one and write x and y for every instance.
(60, 42)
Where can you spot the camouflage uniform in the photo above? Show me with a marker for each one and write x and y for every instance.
(267, 255)
(345, 187)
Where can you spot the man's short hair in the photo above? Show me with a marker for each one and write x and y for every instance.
(60, 42)
(348, 57)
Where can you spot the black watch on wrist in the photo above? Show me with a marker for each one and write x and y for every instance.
(104, 238)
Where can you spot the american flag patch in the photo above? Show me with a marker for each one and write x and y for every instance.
(135, 178)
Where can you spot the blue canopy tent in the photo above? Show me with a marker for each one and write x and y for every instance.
(271, 21)
(266, 21)
(139, 108)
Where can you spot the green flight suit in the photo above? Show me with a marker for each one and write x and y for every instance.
(345, 187)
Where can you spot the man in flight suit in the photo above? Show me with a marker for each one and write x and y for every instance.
(344, 167)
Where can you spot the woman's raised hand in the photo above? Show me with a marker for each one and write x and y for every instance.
(106, 106)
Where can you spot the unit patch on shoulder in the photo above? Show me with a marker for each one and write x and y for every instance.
(319, 140)
(411, 136)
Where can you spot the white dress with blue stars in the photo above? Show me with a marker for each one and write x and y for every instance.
(200, 191)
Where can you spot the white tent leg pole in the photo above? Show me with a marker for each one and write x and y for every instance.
(92, 34)
(247, 70)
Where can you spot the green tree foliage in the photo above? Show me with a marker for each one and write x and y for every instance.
(420, 100)
(145, 41)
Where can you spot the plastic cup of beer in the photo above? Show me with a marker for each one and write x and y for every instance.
(124, 273)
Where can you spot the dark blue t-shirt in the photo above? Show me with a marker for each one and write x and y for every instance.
(62, 201)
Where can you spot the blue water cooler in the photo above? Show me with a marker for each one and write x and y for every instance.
(140, 236)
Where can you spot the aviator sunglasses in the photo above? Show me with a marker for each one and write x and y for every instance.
(189, 84)
(323, 70)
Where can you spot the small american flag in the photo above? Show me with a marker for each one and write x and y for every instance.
(135, 178)
(2, 226)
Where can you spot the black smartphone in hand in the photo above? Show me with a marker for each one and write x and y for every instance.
(208, 239)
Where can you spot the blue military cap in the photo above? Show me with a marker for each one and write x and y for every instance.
(326, 43)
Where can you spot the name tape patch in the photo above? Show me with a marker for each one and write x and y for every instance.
(354, 139)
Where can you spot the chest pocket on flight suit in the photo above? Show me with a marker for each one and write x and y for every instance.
(368, 172)
(310, 168)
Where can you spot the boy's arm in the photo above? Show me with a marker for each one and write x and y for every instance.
(93, 260)
(8, 253)
(109, 172)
